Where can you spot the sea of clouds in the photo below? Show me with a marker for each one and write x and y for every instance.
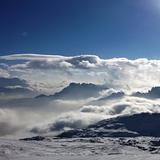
(47, 74)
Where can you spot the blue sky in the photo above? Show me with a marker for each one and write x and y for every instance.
(107, 28)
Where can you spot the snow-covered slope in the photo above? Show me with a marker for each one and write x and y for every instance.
(80, 149)
(144, 124)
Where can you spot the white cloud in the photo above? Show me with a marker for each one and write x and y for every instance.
(123, 106)
(4, 73)
(30, 57)
(9, 123)
(74, 120)
(90, 114)
(50, 73)
(116, 73)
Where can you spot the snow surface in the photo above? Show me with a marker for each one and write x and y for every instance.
(78, 149)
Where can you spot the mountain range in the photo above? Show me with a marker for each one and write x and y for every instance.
(153, 93)
(143, 124)
(77, 91)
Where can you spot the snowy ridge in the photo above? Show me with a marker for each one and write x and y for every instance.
(144, 124)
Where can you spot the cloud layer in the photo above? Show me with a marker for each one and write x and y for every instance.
(48, 74)
(90, 114)
(41, 71)
(8, 122)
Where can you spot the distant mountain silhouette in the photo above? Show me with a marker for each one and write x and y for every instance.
(144, 124)
(16, 92)
(151, 94)
(113, 96)
(14, 88)
(5, 82)
(77, 91)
